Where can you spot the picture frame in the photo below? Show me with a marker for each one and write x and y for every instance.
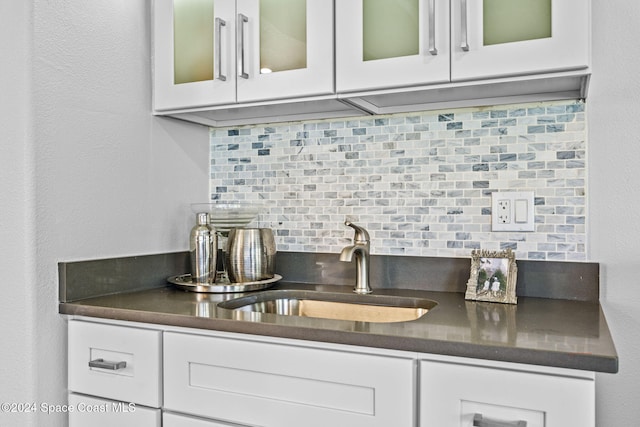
(493, 276)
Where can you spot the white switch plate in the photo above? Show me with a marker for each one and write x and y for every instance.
(512, 211)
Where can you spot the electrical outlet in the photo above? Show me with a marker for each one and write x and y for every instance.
(512, 211)
(504, 211)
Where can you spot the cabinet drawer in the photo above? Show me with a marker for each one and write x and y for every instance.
(454, 394)
(91, 411)
(269, 384)
(175, 420)
(136, 380)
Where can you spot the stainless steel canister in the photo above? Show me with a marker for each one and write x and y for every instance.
(251, 254)
(203, 246)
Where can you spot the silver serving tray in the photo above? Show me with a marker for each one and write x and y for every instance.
(185, 282)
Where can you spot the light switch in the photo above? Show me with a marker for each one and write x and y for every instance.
(512, 211)
(521, 210)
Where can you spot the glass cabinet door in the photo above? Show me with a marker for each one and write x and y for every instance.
(511, 21)
(283, 35)
(495, 38)
(193, 33)
(222, 52)
(285, 48)
(391, 43)
(194, 47)
(383, 18)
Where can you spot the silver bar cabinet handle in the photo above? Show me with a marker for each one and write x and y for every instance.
(478, 421)
(432, 28)
(104, 364)
(463, 26)
(242, 19)
(217, 51)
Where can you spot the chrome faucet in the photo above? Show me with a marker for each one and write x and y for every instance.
(360, 249)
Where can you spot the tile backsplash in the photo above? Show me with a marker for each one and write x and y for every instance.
(421, 183)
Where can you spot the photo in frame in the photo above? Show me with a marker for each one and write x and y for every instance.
(493, 277)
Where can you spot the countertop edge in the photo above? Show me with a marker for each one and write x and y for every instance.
(579, 361)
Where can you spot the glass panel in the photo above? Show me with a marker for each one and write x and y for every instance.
(390, 29)
(507, 21)
(283, 35)
(193, 40)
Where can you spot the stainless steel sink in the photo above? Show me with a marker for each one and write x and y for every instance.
(333, 305)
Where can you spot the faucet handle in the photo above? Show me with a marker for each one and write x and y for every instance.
(361, 236)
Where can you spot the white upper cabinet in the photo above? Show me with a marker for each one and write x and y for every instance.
(383, 43)
(460, 53)
(499, 38)
(194, 48)
(222, 52)
(400, 43)
(288, 49)
(229, 62)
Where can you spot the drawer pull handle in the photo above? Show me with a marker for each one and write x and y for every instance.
(478, 421)
(432, 28)
(464, 45)
(217, 53)
(105, 364)
(242, 19)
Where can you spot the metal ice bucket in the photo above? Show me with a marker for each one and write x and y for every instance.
(250, 255)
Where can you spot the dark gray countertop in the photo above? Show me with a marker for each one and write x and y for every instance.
(539, 331)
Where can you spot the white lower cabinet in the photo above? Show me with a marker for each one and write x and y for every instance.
(270, 384)
(96, 412)
(178, 420)
(178, 377)
(504, 395)
(115, 362)
(114, 375)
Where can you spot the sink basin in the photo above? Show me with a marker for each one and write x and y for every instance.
(333, 305)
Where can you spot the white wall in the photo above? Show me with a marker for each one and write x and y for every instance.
(110, 179)
(614, 193)
(16, 199)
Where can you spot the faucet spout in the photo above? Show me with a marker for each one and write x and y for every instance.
(347, 253)
(359, 249)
